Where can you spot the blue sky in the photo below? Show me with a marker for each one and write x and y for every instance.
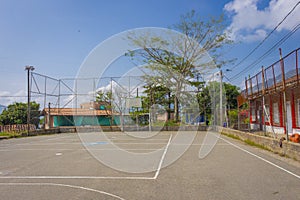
(55, 36)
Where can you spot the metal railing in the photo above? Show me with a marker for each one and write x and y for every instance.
(283, 73)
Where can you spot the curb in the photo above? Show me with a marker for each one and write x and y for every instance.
(4, 137)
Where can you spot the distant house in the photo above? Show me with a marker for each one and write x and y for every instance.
(89, 114)
(274, 96)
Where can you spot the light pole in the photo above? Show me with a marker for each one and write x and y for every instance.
(28, 68)
(221, 98)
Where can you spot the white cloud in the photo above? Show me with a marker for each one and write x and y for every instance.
(256, 35)
(7, 97)
(249, 23)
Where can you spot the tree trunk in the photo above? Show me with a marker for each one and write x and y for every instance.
(176, 109)
(169, 106)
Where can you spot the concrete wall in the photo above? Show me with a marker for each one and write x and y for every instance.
(289, 149)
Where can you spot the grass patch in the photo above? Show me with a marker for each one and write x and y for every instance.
(286, 156)
(295, 159)
(11, 134)
(251, 143)
(247, 141)
(260, 146)
(232, 136)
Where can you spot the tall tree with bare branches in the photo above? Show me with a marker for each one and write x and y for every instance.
(176, 61)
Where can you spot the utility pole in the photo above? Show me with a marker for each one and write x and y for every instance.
(284, 97)
(28, 68)
(221, 98)
(49, 115)
(263, 100)
(214, 104)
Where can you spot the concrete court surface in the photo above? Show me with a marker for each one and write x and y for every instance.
(60, 167)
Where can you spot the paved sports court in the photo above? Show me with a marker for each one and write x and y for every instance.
(65, 166)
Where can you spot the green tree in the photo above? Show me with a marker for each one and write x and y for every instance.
(16, 113)
(204, 101)
(233, 117)
(209, 97)
(106, 99)
(102, 96)
(157, 94)
(232, 92)
(176, 70)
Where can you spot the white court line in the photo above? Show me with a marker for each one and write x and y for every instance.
(57, 138)
(162, 158)
(100, 149)
(42, 139)
(31, 141)
(50, 143)
(97, 177)
(80, 177)
(133, 143)
(263, 159)
(79, 143)
(108, 149)
(113, 140)
(62, 185)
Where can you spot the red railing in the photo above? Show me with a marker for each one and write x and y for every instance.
(283, 73)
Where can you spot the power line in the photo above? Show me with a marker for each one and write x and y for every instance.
(267, 36)
(11, 96)
(281, 41)
(230, 81)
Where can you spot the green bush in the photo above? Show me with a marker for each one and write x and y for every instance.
(233, 116)
(11, 134)
(166, 123)
(247, 120)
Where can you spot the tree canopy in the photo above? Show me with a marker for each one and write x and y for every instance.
(16, 113)
(209, 97)
(175, 62)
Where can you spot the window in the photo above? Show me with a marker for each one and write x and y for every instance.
(267, 112)
(259, 113)
(276, 113)
(253, 114)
